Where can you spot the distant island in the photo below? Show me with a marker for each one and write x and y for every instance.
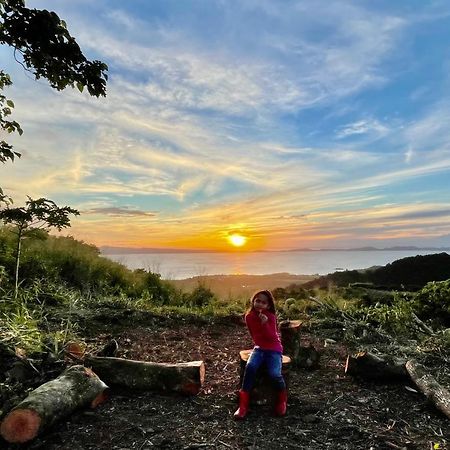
(109, 250)
(407, 248)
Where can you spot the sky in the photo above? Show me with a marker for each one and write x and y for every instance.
(296, 123)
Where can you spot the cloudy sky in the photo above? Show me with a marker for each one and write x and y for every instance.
(296, 123)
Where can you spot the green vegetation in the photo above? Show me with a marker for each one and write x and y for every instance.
(36, 215)
(408, 274)
(63, 281)
(48, 51)
(67, 290)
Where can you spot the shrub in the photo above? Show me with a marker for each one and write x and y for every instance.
(200, 297)
(80, 266)
(433, 302)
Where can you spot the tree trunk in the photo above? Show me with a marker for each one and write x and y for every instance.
(372, 367)
(186, 378)
(74, 388)
(263, 391)
(16, 274)
(428, 385)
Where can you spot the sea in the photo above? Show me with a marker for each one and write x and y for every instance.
(178, 266)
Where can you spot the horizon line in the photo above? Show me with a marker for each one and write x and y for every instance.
(112, 250)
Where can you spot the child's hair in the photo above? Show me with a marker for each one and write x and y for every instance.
(269, 297)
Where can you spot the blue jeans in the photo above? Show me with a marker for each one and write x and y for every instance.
(273, 362)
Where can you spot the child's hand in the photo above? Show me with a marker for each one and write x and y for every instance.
(263, 318)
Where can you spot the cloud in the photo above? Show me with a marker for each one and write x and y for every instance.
(362, 127)
(118, 212)
(287, 68)
(269, 129)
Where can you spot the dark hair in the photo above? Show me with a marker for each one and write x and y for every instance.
(270, 298)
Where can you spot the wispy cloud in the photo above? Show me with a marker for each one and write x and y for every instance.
(362, 127)
(118, 212)
(299, 122)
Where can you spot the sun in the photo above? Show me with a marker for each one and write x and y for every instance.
(237, 239)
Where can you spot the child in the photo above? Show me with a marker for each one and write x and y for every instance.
(262, 325)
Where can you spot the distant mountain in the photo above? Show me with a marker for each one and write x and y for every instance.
(110, 250)
(407, 248)
(410, 273)
(143, 250)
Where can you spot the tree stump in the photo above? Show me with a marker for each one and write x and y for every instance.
(263, 392)
(185, 378)
(290, 338)
(378, 368)
(74, 388)
(304, 357)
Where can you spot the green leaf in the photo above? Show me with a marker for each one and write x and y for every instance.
(80, 86)
(10, 103)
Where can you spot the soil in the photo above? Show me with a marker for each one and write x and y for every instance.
(326, 409)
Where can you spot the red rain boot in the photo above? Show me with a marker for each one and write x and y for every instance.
(280, 407)
(244, 399)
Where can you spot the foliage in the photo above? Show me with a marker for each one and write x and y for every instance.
(411, 274)
(6, 106)
(48, 51)
(19, 328)
(395, 318)
(36, 214)
(433, 302)
(40, 213)
(24, 324)
(199, 297)
(77, 265)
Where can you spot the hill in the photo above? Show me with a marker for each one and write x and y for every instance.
(409, 273)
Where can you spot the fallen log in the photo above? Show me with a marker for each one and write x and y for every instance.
(263, 391)
(428, 385)
(75, 387)
(185, 378)
(378, 368)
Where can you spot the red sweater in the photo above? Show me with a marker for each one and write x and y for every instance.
(265, 336)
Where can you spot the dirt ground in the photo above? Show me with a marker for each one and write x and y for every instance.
(326, 409)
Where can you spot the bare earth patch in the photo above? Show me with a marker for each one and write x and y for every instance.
(326, 410)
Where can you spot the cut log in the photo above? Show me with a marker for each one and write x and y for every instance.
(263, 391)
(372, 367)
(428, 385)
(74, 388)
(185, 378)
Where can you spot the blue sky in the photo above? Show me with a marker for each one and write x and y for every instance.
(297, 123)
